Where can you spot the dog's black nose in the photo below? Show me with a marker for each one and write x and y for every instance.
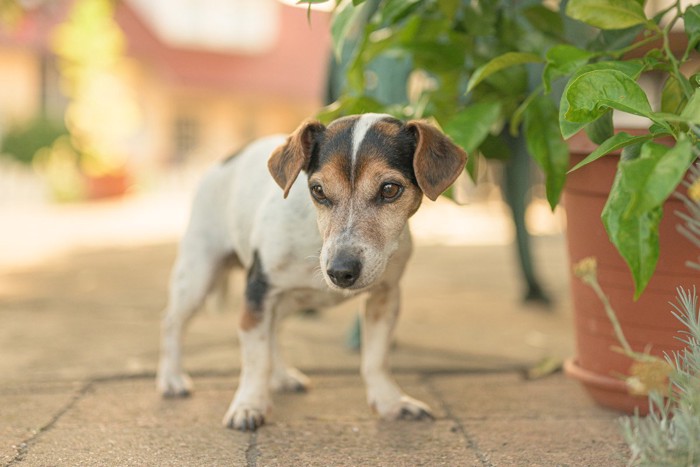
(344, 271)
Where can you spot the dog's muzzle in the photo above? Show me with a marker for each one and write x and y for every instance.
(344, 270)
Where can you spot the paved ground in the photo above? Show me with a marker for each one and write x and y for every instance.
(79, 340)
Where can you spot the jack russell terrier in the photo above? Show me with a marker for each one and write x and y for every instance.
(338, 229)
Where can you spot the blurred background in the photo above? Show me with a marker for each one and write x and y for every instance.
(127, 102)
(143, 85)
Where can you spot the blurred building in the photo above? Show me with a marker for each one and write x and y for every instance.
(208, 75)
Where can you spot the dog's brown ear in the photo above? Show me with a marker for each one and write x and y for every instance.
(292, 157)
(437, 161)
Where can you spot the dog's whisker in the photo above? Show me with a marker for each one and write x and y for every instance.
(318, 273)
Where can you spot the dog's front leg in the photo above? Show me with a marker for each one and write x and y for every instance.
(383, 394)
(252, 399)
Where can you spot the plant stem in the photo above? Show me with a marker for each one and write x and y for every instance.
(619, 53)
(675, 64)
(613, 319)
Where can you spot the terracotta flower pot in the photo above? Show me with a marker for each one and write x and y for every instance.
(647, 323)
(111, 185)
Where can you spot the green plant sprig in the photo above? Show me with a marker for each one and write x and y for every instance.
(670, 434)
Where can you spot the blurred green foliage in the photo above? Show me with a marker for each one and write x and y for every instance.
(22, 142)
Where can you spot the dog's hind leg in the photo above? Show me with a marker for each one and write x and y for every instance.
(194, 274)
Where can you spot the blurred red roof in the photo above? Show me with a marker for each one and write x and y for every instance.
(295, 66)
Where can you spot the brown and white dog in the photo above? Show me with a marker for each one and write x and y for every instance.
(339, 230)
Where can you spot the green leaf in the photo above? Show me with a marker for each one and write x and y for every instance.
(395, 10)
(692, 110)
(633, 151)
(563, 60)
(544, 143)
(691, 20)
(472, 166)
(672, 97)
(633, 211)
(636, 238)
(449, 8)
(616, 39)
(617, 141)
(351, 105)
(601, 129)
(591, 95)
(499, 63)
(545, 20)
(659, 130)
(494, 148)
(607, 14)
(517, 117)
(437, 57)
(343, 19)
(662, 118)
(695, 80)
(470, 126)
(632, 68)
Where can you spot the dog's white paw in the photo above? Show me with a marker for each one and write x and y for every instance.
(173, 384)
(290, 380)
(244, 417)
(404, 408)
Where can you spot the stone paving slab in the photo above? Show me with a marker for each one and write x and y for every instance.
(24, 410)
(549, 442)
(550, 421)
(478, 422)
(554, 397)
(363, 443)
(128, 423)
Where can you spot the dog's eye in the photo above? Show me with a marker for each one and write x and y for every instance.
(390, 191)
(317, 192)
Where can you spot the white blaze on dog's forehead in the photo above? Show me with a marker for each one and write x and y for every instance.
(359, 131)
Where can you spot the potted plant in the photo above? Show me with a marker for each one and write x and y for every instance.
(494, 67)
(637, 216)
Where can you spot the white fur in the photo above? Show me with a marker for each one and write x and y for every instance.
(359, 131)
(239, 208)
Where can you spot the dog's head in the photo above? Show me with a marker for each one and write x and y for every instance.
(367, 175)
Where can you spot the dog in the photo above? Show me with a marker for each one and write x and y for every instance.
(337, 229)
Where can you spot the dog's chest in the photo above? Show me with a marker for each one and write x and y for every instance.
(312, 298)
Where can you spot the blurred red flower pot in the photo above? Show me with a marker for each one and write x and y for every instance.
(109, 185)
